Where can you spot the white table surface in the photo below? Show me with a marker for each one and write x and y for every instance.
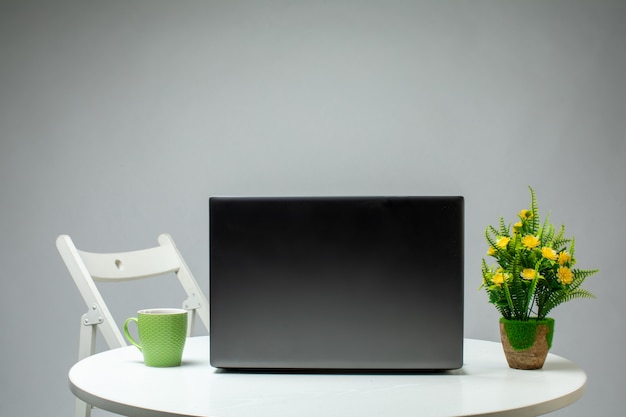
(118, 381)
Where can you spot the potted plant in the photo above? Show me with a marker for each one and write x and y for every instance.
(533, 273)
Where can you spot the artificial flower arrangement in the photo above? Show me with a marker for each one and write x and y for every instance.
(534, 270)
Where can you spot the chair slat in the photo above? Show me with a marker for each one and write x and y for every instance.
(130, 265)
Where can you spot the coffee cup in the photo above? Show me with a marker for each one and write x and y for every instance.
(162, 334)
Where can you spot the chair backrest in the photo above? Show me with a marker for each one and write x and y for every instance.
(87, 267)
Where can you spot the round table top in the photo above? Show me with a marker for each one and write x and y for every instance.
(118, 381)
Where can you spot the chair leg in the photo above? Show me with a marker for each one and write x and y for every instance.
(86, 347)
(87, 339)
(191, 322)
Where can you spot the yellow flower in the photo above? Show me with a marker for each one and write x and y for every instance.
(525, 214)
(528, 273)
(503, 242)
(549, 253)
(530, 241)
(564, 258)
(565, 275)
(491, 251)
(517, 226)
(498, 278)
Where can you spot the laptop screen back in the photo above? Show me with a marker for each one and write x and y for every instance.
(362, 283)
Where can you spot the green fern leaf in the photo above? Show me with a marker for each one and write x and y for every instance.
(534, 208)
(504, 229)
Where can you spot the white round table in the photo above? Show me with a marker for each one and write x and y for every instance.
(118, 381)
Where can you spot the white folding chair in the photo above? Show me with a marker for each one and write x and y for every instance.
(87, 267)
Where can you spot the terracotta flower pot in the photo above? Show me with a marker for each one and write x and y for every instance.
(526, 343)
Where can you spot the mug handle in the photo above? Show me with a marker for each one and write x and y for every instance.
(127, 334)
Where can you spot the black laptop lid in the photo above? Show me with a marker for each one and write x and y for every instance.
(364, 283)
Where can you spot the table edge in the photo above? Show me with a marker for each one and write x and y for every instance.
(117, 407)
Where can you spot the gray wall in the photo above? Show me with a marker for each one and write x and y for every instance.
(118, 119)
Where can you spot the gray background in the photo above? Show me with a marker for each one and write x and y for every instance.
(118, 119)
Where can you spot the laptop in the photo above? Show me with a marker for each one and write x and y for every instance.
(336, 283)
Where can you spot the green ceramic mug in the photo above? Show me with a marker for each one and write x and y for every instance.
(162, 334)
